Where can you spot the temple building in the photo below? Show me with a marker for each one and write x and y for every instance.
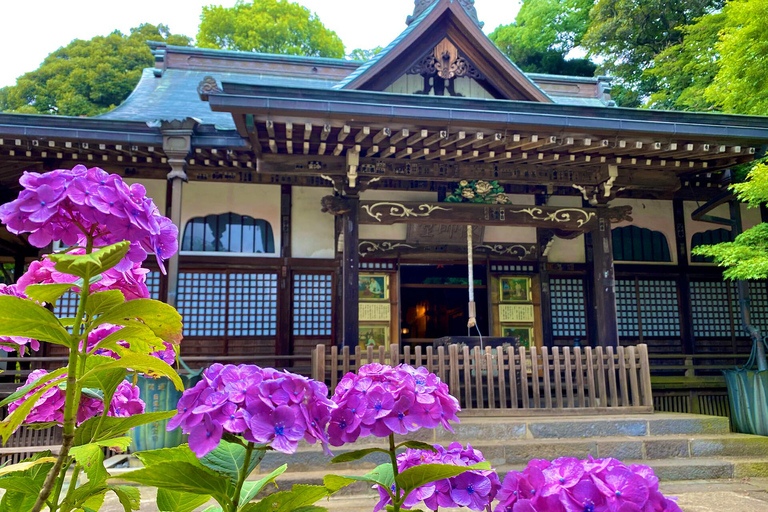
(327, 201)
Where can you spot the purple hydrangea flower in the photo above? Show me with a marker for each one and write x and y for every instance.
(386, 400)
(592, 485)
(261, 404)
(60, 204)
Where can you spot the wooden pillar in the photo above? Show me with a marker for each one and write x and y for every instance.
(605, 282)
(284, 315)
(686, 311)
(351, 266)
(18, 267)
(177, 145)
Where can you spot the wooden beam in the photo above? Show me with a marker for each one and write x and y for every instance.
(383, 134)
(325, 133)
(438, 137)
(401, 135)
(344, 133)
(453, 139)
(417, 137)
(363, 134)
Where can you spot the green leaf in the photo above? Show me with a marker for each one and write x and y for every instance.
(136, 362)
(163, 319)
(9, 425)
(335, 483)
(17, 502)
(41, 426)
(183, 477)
(28, 319)
(356, 455)
(381, 475)
(26, 465)
(88, 497)
(92, 264)
(289, 501)
(48, 293)
(23, 390)
(19, 484)
(101, 302)
(227, 458)
(415, 477)
(140, 337)
(91, 458)
(129, 497)
(251, 489)
(105, 380)
(116, 427)
(175, 501)
(179, 453)
(416, 445)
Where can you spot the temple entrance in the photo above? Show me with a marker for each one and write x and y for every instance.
(434, 301)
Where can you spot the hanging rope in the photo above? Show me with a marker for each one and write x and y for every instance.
(471, 271)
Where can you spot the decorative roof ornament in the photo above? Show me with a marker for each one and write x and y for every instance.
(423, 5)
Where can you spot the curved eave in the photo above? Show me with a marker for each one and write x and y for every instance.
(352, 105)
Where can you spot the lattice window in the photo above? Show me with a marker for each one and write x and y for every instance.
(569, 317)
(201, 301)
(758, 292)
(252, 305)
(312, 304)
(709, 305)
(659, 308)
(626, 308)
(153, 284)
(499, 267)
(66, 306)
(228, 232)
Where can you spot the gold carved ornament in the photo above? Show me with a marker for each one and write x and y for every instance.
(560, 216)
(401, 211)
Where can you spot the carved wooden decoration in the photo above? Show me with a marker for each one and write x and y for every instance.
(446, 62)
(513, 251)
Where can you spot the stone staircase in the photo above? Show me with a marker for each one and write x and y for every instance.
(678, 447)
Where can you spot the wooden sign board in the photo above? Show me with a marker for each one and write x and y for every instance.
(509, 313)
(443, 234)
(374, 312)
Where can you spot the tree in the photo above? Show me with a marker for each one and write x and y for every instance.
(268, 26)
(740, 85)
(86, 78)
(364, 55)
(747, 256)
(627, 35)
(543, 33)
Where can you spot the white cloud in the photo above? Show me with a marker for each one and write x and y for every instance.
(29, 31)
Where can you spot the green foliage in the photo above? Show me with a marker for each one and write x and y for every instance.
(747, 256)
(356, 455)
(25, 318)
(23, 484)
(268, 26)
(11, 422)
(228, 458)
(163, 320)
(92, 264)
(48, 293)
(87, 77)
(98, 429)
(364, 55)
(415, 477)
(740, 85)
(543, 33)
(177, 501)
(627, 35)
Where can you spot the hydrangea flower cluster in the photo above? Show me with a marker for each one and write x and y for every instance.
(131, 281)
(95, 202)
(474, 489)
(49, 408)
(381, 400)
(570, 485)
(261, 404)
(96, 336)
(16, 343)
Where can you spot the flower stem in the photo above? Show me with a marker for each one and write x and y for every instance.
(243, 475)
(72, 393)
(397, 500)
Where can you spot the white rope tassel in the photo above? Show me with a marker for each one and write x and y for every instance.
(471, 271)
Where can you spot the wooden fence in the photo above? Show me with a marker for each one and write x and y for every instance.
(517, 382)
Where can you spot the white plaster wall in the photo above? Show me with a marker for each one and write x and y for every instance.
(656, 215)
(311, 230)
(156, 190)
(750, 217)
(507, 234)
(258, 201)
(395, 231)
(566, 251)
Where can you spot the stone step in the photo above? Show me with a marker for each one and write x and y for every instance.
(518, 451)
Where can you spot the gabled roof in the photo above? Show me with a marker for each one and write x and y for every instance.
(445, 19)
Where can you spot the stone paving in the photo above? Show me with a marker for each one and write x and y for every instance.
(747, 495)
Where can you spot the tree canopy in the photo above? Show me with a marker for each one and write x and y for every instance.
(542, 35)
(86, 78)
(268, 26)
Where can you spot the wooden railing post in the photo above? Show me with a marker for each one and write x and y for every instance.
(318, 363)
(645, 376)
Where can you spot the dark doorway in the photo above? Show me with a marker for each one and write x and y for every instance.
(434, 301)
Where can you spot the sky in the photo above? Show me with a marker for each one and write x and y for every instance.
(31, 29)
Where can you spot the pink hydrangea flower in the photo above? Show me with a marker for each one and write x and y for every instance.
(571, 485)
(49, 408)
(261, 404)
(60, 204)
(381, 400)
(16, 343)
